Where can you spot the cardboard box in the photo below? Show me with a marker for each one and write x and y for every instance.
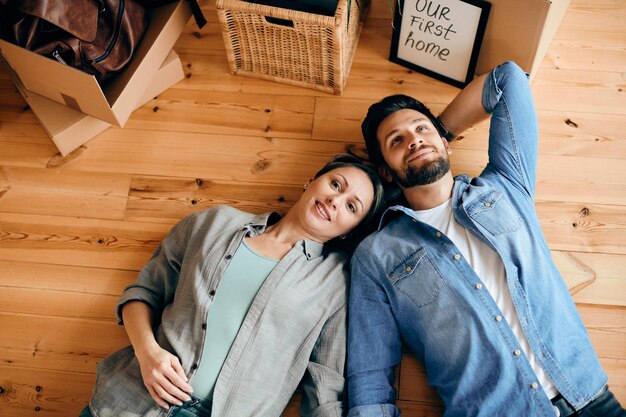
(69, 128)
(81, 91)
(520, 30)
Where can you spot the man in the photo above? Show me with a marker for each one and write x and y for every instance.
(461, 272)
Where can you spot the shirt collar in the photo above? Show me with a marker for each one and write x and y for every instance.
(398, 209)
(257, 225)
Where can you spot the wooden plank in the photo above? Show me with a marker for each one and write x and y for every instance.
(211, 157)
(607, 329)
(198, 111)
(579, 90)
(61, 291)
(63, 193)
(79, 242)
(617, 377)
(58, 343)
(25, 145)
(414, 383)
(293, 408)
(583, 227)
(33, 393)
(595, 15)
(419, 409)
(565, 54)
(593, 278)
(174, 198)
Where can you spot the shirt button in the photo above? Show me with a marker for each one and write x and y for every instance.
(457, 256)
(498, 318)
(229, 257)
(212, 293)
(203, 326)
(534, 385)
(407, 269)
(194, 366)
(438, 234)
(487, 204)
(517, 352)
(479, 286)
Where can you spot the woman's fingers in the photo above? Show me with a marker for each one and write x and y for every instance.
(157, 399)
(170, 393)
(180, 379)
(164, 378)
(175, 386)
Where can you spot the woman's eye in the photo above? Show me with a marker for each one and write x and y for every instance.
(335, 184)
(351, 208)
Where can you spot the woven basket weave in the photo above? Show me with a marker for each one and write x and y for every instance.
(311, 50)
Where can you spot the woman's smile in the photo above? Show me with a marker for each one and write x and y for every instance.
(322, 210)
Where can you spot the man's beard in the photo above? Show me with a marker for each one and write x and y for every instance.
(424, 175)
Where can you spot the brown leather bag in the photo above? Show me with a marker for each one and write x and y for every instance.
(95, 36)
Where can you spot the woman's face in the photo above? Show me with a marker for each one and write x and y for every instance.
(335, 203)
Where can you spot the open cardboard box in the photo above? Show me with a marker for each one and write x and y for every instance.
(116, 101)
(69, 128)
(521, 31)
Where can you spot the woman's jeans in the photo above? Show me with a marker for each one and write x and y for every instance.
(193, 408)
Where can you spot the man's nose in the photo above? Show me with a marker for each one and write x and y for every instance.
(415, 141)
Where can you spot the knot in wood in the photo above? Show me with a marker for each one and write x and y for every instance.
(262, 165)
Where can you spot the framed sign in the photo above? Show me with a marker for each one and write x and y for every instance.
(440, 38)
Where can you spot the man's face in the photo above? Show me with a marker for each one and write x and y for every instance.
(412, 148)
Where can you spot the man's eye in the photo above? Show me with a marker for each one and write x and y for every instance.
(421, 128)
(395, 140)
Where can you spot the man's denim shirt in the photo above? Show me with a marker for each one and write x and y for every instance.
(410, 284)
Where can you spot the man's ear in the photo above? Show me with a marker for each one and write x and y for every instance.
(383, 171)
(446, 145)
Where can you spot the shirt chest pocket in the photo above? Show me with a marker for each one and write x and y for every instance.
(494, 213)
(417, 278)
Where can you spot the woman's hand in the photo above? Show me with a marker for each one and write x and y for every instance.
(163, 376)
(161, 371)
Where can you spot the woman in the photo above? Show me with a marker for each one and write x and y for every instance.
(234, 309)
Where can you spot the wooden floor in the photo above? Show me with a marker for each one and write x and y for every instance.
(75, 230)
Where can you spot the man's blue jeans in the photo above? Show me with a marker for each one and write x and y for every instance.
(606, 405)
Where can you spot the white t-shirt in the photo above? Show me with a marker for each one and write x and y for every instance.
(489, 267)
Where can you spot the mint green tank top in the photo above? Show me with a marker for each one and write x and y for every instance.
(241, 281)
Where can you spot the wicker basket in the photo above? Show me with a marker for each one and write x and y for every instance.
(309, 50)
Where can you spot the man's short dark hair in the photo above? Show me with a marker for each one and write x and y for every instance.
(379, 112)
